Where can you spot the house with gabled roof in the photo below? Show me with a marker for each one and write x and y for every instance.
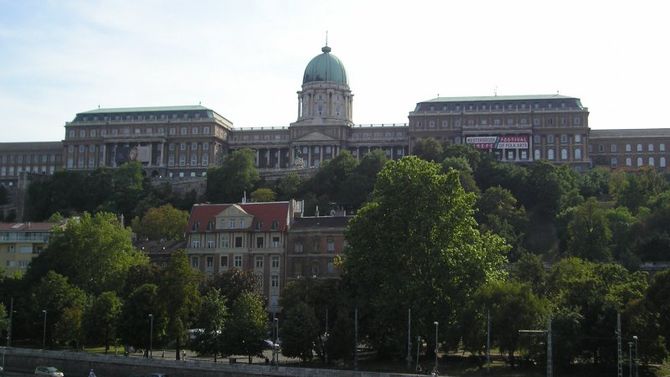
(244, 236)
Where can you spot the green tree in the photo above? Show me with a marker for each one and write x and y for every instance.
(93, 252)
(470, 153)
(3, 195)
(658, 301)
(500, 213)
(232, 284)
(101, 319)
(287, 186)
(529, 269)
(513, 307)
(164, 222)
(263, 194)
(213, 318)
(425, 254)
(178, 292)
(299, 332)
(428, 149)
(247, 327)
(461, 165)
(358, 186)
(63, 303)
(236, 175)
(589, 234)
(134, 323)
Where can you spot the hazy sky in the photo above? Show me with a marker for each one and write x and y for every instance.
(245, 59)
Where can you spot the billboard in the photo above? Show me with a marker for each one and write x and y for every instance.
(498, 142)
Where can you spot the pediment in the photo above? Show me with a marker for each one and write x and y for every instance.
(316, 136)
(233, 211)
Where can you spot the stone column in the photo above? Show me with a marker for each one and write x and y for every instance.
(258, 158)
(103, 152)
(321, 154)
(309, 156)
(268, 151)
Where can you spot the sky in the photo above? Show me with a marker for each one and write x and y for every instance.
(245, 59)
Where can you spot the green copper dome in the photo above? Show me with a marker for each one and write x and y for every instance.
(325, 67)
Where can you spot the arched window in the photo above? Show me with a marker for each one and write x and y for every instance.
(639, 160)
(550, 154)
(578, 153)
(661, 162)
(651, 161)
(537, 155)
(564, 154)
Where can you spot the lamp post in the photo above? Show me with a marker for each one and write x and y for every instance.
(436, 345)
(630, 359)
(635, 361)
(44, 332)
(275, 356)
(151, 335)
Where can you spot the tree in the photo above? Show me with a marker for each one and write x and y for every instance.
(213, 318)
(164, 222)
(589, 234)
(287, 186)
(178, 292)
(93, 252)
(358, 186)
(3, 195)
(101, 319)
(500, 213)
(134, 323)
(425, 253)
(232, 284)
(299, 332)
(513, 307)
(63, 303)
(461, 165)
(530, 270)
(472, 155)
(263, 194)
(428, 149)
(658, 301)
(247, 327)
(236, 175)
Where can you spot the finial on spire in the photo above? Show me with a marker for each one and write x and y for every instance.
(326, 38)
(325, 49)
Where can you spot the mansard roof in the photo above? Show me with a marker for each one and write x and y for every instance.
(264, 213)
(149, 109)
(630, 133)
(27, 227)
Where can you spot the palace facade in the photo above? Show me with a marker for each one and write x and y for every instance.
(184, 141)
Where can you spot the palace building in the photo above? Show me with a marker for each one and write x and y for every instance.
(175, 142)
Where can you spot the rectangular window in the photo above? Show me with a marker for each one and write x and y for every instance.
(231, 224)
(661, 147)
(210, 244)
(195, 244)
(237, 262)
(297, 247)
(224, 241)
(330, 245)
(210, 263)
(274, 281)
(259, 242)
(275, 262)
(613, 148)
(224, 261)
(628, 148)
(258, 261)
(238, 241)
(195, 262)
(550, 139)
(275, 241)
(564, 139)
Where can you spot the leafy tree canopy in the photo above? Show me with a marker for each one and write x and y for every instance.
(164, 222)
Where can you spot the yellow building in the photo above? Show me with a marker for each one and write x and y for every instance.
(20, 243)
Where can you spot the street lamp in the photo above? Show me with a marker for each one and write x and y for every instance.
(630, 359)
(275, 356)
(151, 335)
(44, 332)
(436, 324)
(635, 354)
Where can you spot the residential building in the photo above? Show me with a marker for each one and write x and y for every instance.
(20, 243)
(313, 246)
(246, 236)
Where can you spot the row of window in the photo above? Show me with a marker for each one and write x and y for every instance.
(237, 263)
(537, 122)
(564, 154)
(298, 246)
(203, 160)
(9, 171)
(28, 158)
(651, 161)
(83, 133)
(182, 174)
(629, 148)
(238, 242)
(95, 118)
(17, 263)
(498, 106)
(563, 139)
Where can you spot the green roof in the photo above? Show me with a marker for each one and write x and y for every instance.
(145, 109)
(325, 67)
(499, 98)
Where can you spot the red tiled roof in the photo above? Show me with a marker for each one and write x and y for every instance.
(26, 227)
(265, 212)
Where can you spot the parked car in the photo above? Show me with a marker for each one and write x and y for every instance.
(48, 371)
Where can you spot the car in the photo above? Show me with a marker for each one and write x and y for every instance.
(48, 371)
